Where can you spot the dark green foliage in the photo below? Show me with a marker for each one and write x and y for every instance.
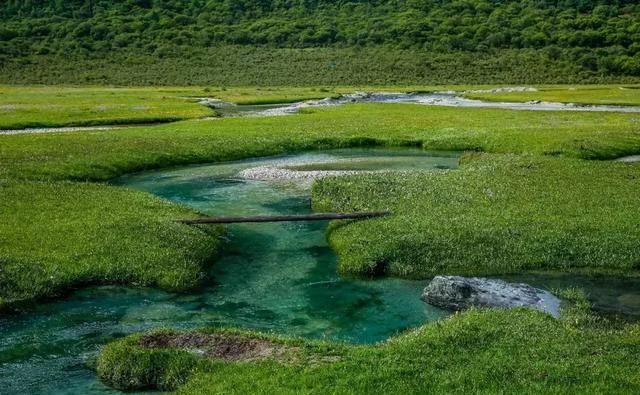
(263, 66)
(587, 38)
(420, 24)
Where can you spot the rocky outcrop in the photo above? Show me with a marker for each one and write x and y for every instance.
(459, 293)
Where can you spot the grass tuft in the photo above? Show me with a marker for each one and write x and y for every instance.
(478, 351)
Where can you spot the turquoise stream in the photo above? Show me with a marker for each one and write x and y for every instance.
(278, 277)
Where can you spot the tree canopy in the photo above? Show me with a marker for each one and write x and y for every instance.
(600, 36)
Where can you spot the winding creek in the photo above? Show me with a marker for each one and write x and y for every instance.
(444, 98)
(278, 277)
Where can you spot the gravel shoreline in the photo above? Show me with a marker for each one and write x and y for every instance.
(629, 159)
(58, 130)
(274, 173)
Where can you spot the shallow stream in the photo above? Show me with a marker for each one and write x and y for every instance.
(278, 277)
(446, 99)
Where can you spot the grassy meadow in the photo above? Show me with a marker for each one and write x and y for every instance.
(101, 155)
(625, 95)
(26, 107)
(57, 236)
(43, 106)
(535, 191)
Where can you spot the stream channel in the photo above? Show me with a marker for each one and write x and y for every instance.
(444, 99)
(277, 277)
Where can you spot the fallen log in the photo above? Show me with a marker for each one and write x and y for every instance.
(283, 218)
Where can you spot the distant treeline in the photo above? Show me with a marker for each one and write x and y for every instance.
(598, 37)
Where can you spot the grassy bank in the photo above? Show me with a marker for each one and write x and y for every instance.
(490, 351)
(530, 202)
(58, 158)
(626, 95)
(22, 107)
(52, 106)
(57, 236)
(497, 214)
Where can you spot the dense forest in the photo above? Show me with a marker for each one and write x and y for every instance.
(592, 38)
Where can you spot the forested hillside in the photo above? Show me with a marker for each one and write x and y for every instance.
(573, 39)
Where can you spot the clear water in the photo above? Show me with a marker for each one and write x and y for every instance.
(278, 277)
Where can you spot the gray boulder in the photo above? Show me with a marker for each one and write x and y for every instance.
(459, 293)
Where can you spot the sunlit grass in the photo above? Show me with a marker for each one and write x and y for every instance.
(22, 107)
(58, 236)
(42, 106)
(534, 203)
(102, 155)
(497, 214)
(627, 95)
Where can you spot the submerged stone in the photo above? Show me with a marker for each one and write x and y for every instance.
(459, 293)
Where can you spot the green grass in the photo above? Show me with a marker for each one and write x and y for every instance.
(271, 95)
(479, 351)
(54, 106)
(58, 236)
(102, 155)
(497, 214)
(98, 156)
(22, 107)
(167, 368)
(626, 95)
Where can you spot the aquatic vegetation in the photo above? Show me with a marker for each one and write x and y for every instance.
(497, 214)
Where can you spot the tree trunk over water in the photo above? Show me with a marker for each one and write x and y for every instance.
(283, 218)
